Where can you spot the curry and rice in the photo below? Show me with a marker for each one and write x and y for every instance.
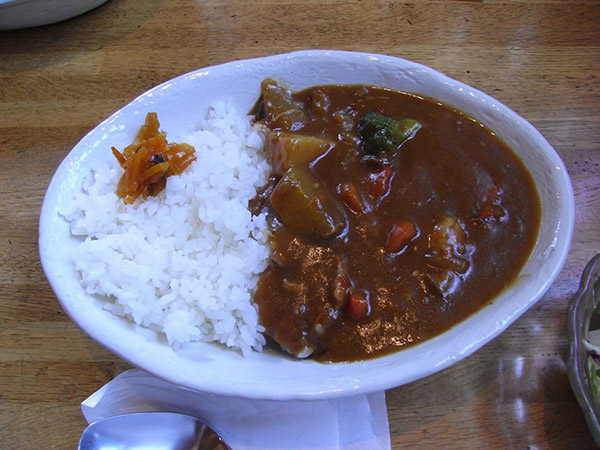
(342, 222)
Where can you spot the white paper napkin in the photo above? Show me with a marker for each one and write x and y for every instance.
(351, 423)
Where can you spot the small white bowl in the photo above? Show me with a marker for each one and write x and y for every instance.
(271, 375)
(15, 14)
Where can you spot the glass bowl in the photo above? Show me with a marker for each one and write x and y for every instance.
(580, 321)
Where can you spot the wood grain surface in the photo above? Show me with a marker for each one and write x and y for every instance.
(541, 58)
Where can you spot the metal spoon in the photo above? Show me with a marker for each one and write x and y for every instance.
(151, 431)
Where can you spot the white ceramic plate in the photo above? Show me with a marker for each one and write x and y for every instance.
(270, 375)
(15, 14)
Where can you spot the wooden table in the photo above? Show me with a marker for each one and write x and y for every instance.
(542, 59)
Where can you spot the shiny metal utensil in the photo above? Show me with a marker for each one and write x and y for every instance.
(151, 431)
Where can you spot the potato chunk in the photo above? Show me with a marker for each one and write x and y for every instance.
(281, 110)
(305, 206)
(287, 149)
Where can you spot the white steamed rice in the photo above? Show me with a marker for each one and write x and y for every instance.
(184, 263)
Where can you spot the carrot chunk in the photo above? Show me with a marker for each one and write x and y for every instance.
(351, 197)
(358, 303)
(491, 208)
(400, 235)
(380, 182)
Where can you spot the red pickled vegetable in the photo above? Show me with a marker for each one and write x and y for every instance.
(118, 155)
(149, 161)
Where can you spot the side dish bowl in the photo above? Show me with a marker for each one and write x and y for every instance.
(271, 375)
(15, 14)
(583, 306)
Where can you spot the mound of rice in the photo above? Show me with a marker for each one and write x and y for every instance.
(186, 262)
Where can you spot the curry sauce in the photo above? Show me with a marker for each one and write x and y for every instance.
(376, 249)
